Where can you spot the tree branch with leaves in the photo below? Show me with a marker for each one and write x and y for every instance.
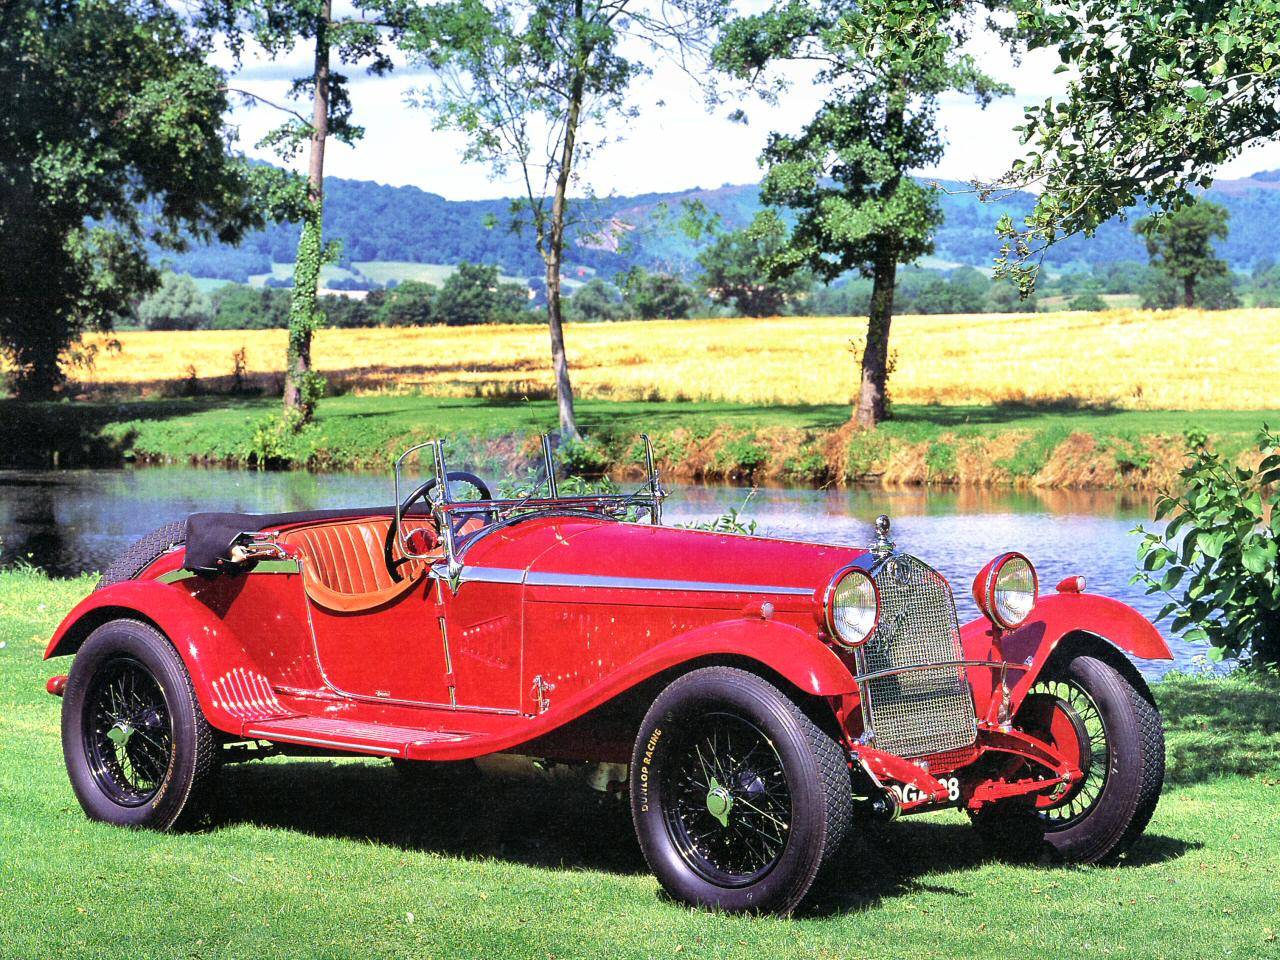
(532, 84)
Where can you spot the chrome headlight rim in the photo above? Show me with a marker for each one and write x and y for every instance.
(829, 609)
(991, 606)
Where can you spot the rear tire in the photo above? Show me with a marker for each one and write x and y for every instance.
(144, 552)
(1100, 819)
(138, 749)
(739, 799)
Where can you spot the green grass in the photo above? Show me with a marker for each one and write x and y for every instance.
(368, 431)
(330, 859)
(384, 271)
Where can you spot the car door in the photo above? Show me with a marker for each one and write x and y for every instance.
(480, 626)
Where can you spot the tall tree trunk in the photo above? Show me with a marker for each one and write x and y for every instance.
(302, 385)
(873, 395)
(554, 256)
(1188, 291)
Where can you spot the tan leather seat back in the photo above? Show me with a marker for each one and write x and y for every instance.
(344, 562)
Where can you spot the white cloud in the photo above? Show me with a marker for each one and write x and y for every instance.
(674, 144)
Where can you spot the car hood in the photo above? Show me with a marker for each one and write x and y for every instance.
(588, 552)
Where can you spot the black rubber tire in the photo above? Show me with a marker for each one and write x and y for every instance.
(142, 553)
(186, 788)
(816, 769)
(1135, 778)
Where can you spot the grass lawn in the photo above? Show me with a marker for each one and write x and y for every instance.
(330, 859)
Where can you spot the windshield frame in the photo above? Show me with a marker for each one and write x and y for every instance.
(500, 513)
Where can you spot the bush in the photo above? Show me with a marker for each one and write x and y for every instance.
(1219, 552)
(177, 305)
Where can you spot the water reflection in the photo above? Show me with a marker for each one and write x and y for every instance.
(76, 520)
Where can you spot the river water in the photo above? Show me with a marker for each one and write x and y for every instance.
(70, 521)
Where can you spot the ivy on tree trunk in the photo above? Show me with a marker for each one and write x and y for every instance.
(303, 385)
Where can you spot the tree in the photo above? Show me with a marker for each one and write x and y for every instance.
(364, 37)
(846, 174)
(597, 299)
(736, 269)
(409, 304)
(1162, 93)
(1180, 245)
(530, 83)
(474, 294)
(177, 305)
(656, 296)
(239, 307)
(111, 135)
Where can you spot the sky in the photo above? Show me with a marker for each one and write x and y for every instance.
(674, 144)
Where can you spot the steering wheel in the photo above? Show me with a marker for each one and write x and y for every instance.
(422, 492)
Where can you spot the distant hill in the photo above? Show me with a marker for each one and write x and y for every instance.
(406, 224)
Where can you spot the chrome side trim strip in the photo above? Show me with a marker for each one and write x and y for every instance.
(536, 579)
(642, 583)
(491, 575)
(318, 741)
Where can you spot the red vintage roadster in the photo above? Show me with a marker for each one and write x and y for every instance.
(766, 694)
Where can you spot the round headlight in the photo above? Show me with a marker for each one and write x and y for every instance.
(1006, 590)
(853, 608)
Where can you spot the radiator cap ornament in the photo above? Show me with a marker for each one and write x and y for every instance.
(883, 546)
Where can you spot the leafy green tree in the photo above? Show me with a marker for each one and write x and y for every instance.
(531, 84)
(363, 37)
(177, 305)
(1161, 93)
(240, 307)
(1087, 300)
(846, 174)
(111, 135)
(597, 299)
(1180, 245)
(735, 269)
(655, 296)
(474, 294)
(408, 304)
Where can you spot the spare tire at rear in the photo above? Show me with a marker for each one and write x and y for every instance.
(144, 552)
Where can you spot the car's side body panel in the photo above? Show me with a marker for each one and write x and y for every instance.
(545, 621)
(228, 682)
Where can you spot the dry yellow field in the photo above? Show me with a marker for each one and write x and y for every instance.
(1183, 359)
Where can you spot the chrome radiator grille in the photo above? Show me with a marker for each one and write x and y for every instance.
(925, 710)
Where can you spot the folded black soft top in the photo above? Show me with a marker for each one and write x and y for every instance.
(210, 535)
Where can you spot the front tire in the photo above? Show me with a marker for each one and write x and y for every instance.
(739, 799)
(138, 749)
(1085, 705)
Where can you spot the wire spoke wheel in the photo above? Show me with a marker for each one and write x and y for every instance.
(1067, 716)
(128, 732)
(731, 808)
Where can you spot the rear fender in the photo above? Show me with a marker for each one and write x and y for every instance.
(800, 658)
(1063, 619)
(230, 688)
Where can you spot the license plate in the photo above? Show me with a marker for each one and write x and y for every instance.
(907, 794)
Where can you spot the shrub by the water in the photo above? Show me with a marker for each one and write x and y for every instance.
(1219, 553)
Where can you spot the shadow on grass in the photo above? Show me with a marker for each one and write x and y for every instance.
(68, 433)
(1220, 727)
(566, 827)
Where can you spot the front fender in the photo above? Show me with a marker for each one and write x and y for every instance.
(227, 683)
(801, 658)
(1057, 617)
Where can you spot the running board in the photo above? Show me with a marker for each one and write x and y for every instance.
(352, 736)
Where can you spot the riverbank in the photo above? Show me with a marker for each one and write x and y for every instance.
(1002, 445)
(305, 858)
